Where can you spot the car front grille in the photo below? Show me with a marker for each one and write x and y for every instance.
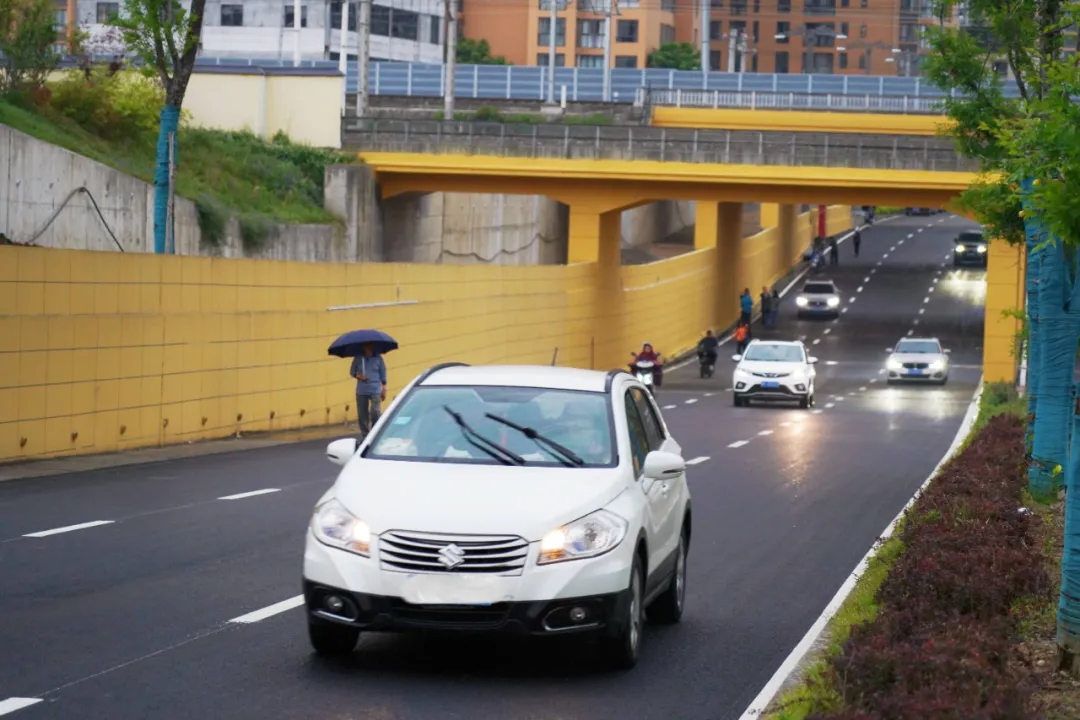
(770, 375)
(418, 552)
(916, 366)
(759, 390)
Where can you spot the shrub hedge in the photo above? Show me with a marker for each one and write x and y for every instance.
(942, 646)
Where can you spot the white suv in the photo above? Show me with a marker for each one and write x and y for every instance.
(774, 370)
(518, 499)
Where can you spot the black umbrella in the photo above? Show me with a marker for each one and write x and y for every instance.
(351, 343)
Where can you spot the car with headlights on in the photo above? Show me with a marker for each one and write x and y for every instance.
(774, 370)
(918, 360)
(818, 298)
(524, 500)
(970, 248)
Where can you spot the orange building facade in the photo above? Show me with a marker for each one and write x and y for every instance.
(873, 37)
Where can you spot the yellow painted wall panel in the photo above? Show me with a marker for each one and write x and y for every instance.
(9, 370)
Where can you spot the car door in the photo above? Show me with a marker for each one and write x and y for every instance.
(671, 490)
(650, 489)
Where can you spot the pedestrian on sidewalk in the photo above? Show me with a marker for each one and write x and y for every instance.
(766, 307)
(742, 338)
(856, 240)
(369, 370)
(746, 306)
(775, 309)
(834, 252)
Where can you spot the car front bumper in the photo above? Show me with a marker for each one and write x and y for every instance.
(758, 391)
(599, 614)
(917, 376)
(969, 258)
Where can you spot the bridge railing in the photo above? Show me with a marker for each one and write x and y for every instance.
(756, 100)
(633, 142)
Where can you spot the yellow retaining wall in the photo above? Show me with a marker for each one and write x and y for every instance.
(111, 351)
(797, 121)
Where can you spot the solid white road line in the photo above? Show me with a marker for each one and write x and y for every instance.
(691, 401)
(761, 702)
(16, 703)
(253, 493)
(738, 443)
(698, 460)
(69, 528)
(270, 610)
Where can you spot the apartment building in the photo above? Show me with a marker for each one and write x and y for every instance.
(520, 31)
(405, 30)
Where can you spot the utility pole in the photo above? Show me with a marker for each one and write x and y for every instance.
(607, 50)
(363, 53)
(732, 47)
(551, 52)
(705, 42)
(450, 67)
(343, 56)
(742, 52)
(296, 33)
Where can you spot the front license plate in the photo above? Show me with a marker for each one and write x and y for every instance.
(915, 372)
(450, 589)
(770, 385)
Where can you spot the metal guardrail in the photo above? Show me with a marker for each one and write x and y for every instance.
(755, 100)
(632, 142)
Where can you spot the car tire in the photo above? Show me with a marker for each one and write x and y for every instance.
(739, 402)
(622, 651)
(330, 639)
(667, 609)
(804, 403)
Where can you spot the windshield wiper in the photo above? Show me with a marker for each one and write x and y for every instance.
(565, 454)
(506, 457)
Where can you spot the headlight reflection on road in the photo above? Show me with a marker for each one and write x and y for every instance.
(929, 403)
(798, 447)
(965, 285)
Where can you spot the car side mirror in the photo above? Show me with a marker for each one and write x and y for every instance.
(736, 358)
(948, 352)
(889, 351)
(341, 451)
(660, 465)
(812, 360)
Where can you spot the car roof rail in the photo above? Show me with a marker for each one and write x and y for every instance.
(436, 368)
(610, 379)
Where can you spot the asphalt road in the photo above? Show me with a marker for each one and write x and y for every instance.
(131, 618)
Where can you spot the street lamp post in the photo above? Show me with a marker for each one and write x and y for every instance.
(869, 48)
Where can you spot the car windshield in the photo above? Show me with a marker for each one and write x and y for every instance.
(970, 237)
(818, 289)
(421, 429)
(918, 347)
(774, 353)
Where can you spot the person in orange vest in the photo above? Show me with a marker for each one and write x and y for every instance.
(742, 336)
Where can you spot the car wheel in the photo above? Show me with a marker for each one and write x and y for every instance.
(331, 639)
(804, 403)
(739, 402)
(668, 608)
(623, 649)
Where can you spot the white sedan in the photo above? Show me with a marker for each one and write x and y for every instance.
(774, 370)
(514, 499)
(918, 360)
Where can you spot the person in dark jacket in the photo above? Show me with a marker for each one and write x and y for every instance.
(369, 370)
(856, 241)
(766, 307)
(775, 307)
(708, 347)
(746, 306)
(834, 252)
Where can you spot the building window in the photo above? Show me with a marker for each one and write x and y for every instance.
(783, 6)
(755, 34)
(862, 31)
(627, 31)
(783, 30)
(757, 6)
(590, 61)
(404, 24)
(862, 62)
(843, 28)
(843, 61)
(543, 35)
(738, 7)
(908, 33)
(626, 61)
(542, 60)
(232, 15)
(435, 31)
(667, 34)
(714, 61)
(667, 6)
(60, 19)
(716, 4)
(380, 20)
(106, 11)
(819, 7)
(753, 63)
(864, 3)
(843, 3)
(716, 29)
(289, 15)
(820, 34)
(781, 62)
(590, 33)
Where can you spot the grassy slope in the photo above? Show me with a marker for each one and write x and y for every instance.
(243, 173)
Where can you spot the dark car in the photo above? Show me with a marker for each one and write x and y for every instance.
(970, 248)
(921, 211)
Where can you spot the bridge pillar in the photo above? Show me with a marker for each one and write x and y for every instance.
(597, 301)
(719, 226)
(1004, 292)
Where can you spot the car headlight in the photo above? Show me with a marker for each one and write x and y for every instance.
(834, 301)
(981, 249)
(937, 365)
(335, 526)
(895, 365)
(801, 301)
(959, 249)
(586, 537)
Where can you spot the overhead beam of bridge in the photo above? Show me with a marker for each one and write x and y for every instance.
(799, 121)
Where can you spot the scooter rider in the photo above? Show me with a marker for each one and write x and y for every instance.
(647, 354)
(707, 348)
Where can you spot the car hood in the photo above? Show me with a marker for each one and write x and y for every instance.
(770, 367)
(819, 296)
(917, 357)
(472, 499)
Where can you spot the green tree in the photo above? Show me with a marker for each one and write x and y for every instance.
(1029, 148)
(477, 52)
(675, 56)
(165, 37)
(27, 44)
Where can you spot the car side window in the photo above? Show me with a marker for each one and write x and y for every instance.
(639, 439)
(654, 429)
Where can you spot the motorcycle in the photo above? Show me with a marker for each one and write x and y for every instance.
(706, 364)
(644, 370)
(817, 262)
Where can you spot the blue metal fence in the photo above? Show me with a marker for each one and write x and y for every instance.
(586, 84)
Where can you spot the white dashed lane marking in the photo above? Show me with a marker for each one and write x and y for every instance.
(691, 401)
(738, 443)
(16, 703)
(830, 405)
(698, 460)
(253, 493)
(670, 407)
(766, 432)
(269, 611)
(68, 528)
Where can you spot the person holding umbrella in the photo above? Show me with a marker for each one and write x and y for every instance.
(366, 348)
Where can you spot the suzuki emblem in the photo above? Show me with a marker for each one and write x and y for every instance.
(451, 556)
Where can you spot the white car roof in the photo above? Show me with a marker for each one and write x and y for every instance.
(823, 281)
(534, 376)
(918, 339)
(796, 343)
